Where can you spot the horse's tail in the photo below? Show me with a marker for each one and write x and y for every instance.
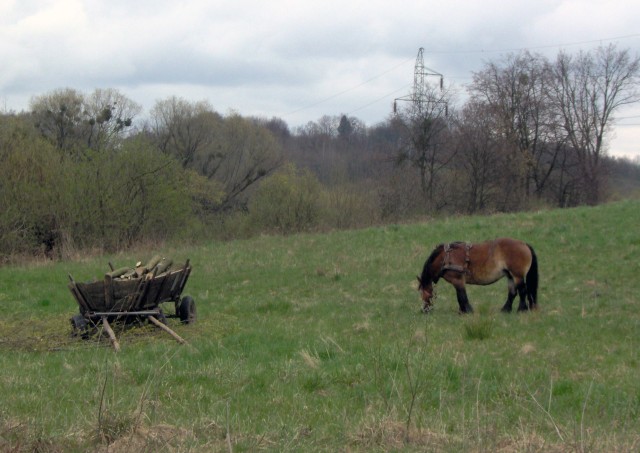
(531, 280)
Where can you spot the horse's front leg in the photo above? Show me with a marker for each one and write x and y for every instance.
(463, 300)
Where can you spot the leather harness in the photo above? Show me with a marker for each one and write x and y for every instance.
(449, 265)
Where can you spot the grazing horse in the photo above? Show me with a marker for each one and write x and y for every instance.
(483, 263)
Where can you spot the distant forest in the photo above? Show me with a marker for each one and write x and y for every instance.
(87, 171)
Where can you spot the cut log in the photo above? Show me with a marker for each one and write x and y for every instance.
(118, 272)
(167, 329)
(153, 262)
(163, 265)
(112, 336)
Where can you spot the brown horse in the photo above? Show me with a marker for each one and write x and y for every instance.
(482, 264)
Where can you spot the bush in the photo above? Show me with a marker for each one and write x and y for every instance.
(287, 202)
(124, 196)
(54, 204)
(350, 207)
(30, 183)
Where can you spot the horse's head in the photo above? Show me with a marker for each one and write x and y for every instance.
(427, 294)
(429, 277)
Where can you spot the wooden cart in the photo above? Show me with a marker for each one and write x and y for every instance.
(133, 294)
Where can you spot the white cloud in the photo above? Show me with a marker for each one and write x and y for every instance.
(298, 60)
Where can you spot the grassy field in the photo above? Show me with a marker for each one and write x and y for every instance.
(316, 343)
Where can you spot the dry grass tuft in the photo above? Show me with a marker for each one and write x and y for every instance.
(155, 438)
(389, 434)
(309, 359)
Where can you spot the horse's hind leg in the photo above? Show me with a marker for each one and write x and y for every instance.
(522, 292)
(511, 295)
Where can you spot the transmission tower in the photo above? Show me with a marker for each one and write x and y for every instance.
(418, 96)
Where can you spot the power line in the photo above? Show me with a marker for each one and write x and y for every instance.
(452, 52)
(377, 76)
(379, 99)
(516, 49)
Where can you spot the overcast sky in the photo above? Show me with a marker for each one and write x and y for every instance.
(296, 60)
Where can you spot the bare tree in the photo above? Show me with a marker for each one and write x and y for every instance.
(233, 151)
(185, 129)
(516, 94)
(588, 90)
(74, 121)
(425, 126)
(58, 116)
(249, 153)
(478, 147)
(110, 114)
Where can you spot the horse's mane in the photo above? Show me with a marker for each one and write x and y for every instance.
(427, 277)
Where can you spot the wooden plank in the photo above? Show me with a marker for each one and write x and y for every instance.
(181, 281)
(125, 313)
(73, 287)
(142, 291)
(112, 336)
(108, 290)
(168, 330)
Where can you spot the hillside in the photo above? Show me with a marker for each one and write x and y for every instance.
(315, 342)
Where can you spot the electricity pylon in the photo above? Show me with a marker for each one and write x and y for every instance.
(418, 96)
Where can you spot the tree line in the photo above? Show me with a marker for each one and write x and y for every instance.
(81, 171)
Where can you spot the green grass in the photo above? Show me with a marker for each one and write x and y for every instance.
(317, 343)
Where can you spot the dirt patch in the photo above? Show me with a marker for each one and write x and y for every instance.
(155, 438)
(390, 435)
(527, 348)
(55, 334)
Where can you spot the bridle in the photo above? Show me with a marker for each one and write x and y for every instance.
(448, 265)
(427, 305)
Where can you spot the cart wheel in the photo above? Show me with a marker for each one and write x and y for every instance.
(187, 310)
(79, 327)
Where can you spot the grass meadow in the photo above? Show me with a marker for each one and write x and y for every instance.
(316, 342)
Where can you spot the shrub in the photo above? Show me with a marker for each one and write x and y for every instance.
(54, 204)
(120, 197)
(30, 185)
(349, 207)
(287, 202)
